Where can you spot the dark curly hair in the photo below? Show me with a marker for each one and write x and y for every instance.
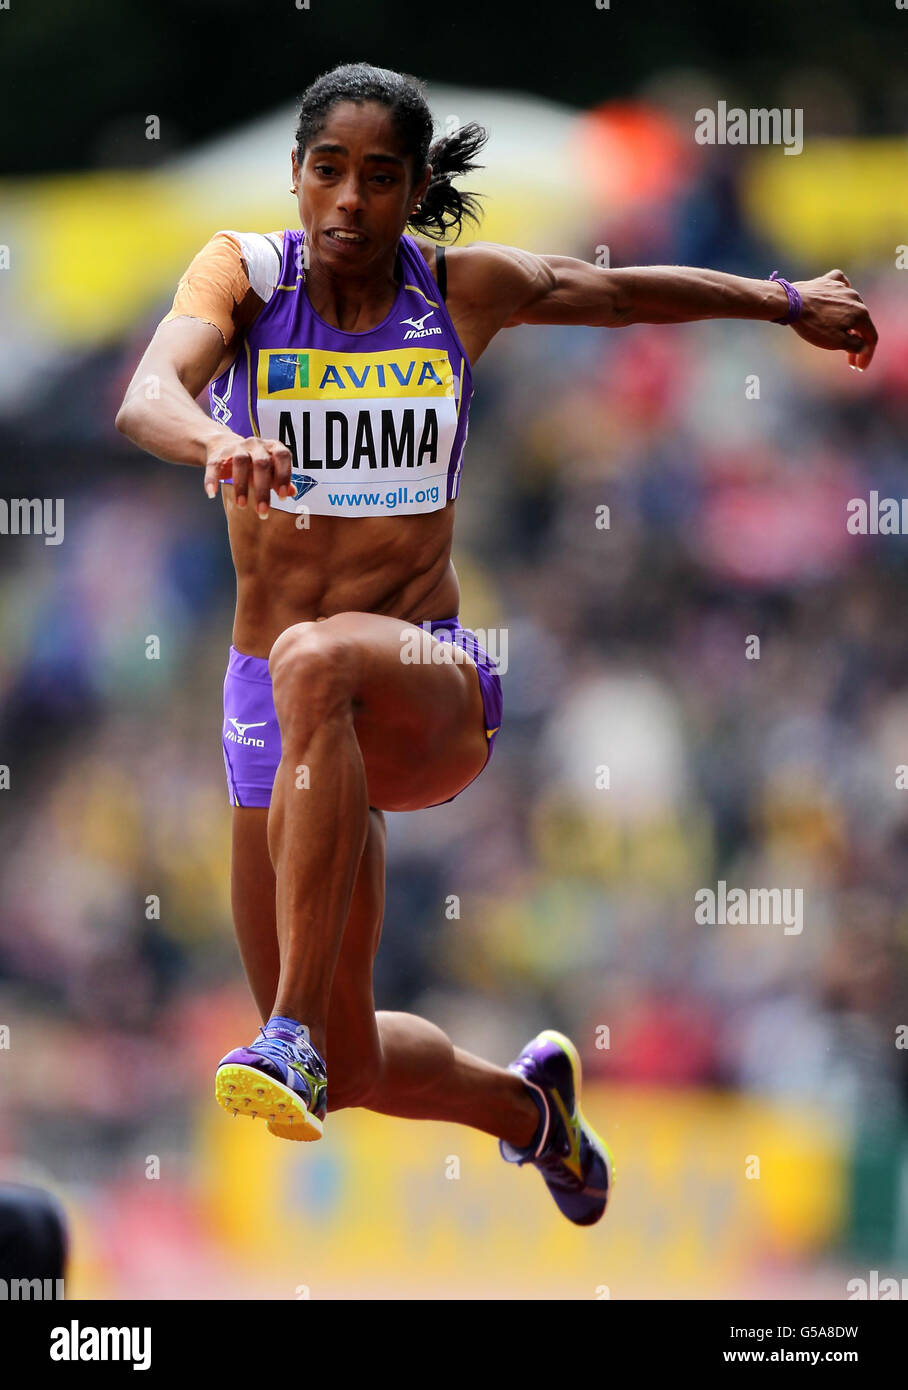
(443, 206)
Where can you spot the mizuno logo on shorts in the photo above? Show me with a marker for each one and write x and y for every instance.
(240, 735)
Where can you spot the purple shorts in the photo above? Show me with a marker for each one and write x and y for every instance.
(252, 738)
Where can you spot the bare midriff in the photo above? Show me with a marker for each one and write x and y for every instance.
(287, 573)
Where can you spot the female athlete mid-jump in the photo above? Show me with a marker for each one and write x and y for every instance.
(338, 361)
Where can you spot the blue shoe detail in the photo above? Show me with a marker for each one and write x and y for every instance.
(575, 1162)
(280, 1077)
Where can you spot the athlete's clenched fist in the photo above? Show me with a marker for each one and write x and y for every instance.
(835, 316)
(263, 463)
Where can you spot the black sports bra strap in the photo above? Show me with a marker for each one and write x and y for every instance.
(441, 271)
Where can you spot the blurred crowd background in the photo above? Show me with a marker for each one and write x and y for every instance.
(628, 647)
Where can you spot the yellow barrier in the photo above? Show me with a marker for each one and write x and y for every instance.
(386, 1208)
(836, 200)
(93, 252)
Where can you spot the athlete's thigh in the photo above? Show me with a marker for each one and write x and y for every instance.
(417, 705)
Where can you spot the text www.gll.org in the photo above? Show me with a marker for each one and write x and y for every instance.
(811, 1357)
(395, 498)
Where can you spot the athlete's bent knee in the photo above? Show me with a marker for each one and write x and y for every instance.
(285, 644)
(308, 664)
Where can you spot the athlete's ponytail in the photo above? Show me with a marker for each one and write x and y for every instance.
(443, 205)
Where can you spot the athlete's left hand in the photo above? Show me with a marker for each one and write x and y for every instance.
(835, 316)
(254, 466)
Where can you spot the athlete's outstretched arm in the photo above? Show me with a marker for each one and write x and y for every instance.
(513, 286)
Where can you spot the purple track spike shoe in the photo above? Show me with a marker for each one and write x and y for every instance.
(577, 1165)
(279, 1077)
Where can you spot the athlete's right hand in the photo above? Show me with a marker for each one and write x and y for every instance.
(262, 463)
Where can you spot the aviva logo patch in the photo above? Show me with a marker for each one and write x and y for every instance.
(286, 375)
(287, 371)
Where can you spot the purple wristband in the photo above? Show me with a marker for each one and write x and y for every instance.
(795, 304)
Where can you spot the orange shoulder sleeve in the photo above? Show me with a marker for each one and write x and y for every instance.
(215, 287)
